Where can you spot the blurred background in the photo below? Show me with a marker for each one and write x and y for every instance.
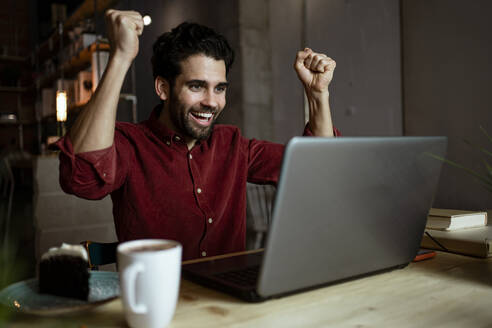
(404, 67)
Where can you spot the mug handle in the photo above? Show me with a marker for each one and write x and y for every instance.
(129, 279)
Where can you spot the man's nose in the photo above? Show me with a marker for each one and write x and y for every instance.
(210, 99)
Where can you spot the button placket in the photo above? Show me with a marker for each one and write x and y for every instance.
(201, 200)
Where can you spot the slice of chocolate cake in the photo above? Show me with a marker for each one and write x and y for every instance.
(64, 271)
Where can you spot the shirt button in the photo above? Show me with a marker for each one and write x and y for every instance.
(210, 220)
(190, 156)
(104, 174)
(168, 143)
(198, 190)
(177, 138)
(204, 253)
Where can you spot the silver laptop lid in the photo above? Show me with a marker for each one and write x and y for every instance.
(347, 207)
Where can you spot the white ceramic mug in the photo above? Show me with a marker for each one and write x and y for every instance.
(149, 279)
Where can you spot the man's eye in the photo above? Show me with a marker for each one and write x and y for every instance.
(220, 89)
(195, 87)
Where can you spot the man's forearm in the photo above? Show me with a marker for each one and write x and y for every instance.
(94, 128)
(320, 120)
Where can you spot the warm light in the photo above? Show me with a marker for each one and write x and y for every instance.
(61, 106)
(147, 20)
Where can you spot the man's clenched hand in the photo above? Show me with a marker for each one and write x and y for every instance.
(123, 28)
(314, 70)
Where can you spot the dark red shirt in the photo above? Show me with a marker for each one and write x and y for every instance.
(160, 189)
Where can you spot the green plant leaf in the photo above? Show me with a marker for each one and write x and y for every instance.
(479, 148)
(485, 133)
(485, 181)
(488, 167)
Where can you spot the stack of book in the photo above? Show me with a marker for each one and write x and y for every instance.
(462, 232)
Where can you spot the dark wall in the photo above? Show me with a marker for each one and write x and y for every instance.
(364, 39)
(287, 91)
(447, 51)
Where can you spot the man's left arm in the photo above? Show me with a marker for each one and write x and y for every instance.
(315, 71)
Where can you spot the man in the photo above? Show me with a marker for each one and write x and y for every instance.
(176, 176)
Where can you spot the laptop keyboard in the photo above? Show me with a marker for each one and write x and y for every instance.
(244, 277)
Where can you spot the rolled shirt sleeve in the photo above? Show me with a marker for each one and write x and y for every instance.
(94, 174)
(264, 161)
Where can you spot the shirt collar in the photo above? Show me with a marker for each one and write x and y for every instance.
(158, 128)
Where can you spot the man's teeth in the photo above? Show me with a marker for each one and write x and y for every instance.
(203, 115)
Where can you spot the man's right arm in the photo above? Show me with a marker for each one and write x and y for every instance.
(94, 127)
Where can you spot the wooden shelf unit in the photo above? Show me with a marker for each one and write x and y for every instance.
(76, 64)
(84, 11)
(71, 67)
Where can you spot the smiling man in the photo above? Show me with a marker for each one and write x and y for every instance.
(178, 175)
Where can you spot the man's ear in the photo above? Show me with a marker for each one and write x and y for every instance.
(162, 88)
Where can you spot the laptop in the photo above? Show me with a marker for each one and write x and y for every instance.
(345, 208)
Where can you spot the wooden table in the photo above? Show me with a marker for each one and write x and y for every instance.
(447, 291)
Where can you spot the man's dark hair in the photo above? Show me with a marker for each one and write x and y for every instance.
(183, 41)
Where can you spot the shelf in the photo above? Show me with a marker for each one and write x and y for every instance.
(13, 89)
(10, 122)
(13, 58)
(75, 64)
(86, 10)
(50, 46)
(83, 58)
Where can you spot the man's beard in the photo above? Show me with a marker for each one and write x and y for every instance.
(180, 117)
